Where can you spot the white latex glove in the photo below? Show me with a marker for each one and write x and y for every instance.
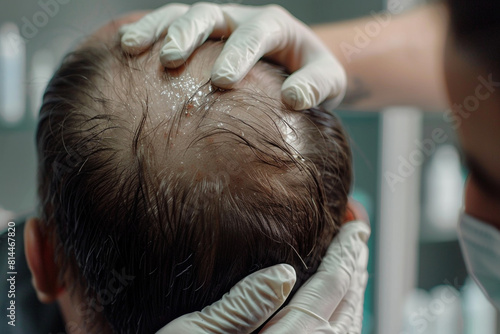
(244, 308)
(254, 32)
(330, 302)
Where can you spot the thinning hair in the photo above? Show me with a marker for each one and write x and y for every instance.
(184, 188)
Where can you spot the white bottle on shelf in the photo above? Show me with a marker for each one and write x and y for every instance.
(12, 75)
(443, 184)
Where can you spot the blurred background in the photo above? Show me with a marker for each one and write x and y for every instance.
(410, 182)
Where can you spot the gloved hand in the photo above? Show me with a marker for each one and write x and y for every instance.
(254, 32)
(244, 308)
(330, 302)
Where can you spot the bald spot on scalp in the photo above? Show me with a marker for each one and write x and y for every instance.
(189, 130)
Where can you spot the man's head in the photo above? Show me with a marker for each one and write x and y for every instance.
(160, 191)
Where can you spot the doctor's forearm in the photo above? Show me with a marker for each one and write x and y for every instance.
(391, 60)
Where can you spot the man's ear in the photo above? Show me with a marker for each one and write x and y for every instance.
(40, 256)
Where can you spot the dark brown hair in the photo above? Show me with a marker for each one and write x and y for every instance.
(475, 24)
(118, 200)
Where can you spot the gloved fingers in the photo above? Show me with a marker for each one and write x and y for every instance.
(347, 248)
(357, 321)
(348, 317)
(342, 318)
(346, 313)
(296, 320)
(191, 30)
(139, 36)
(324, 291)
(244, 308)
(322, 79)
(252, 39)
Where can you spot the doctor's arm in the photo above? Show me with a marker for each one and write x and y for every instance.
(391, 59)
